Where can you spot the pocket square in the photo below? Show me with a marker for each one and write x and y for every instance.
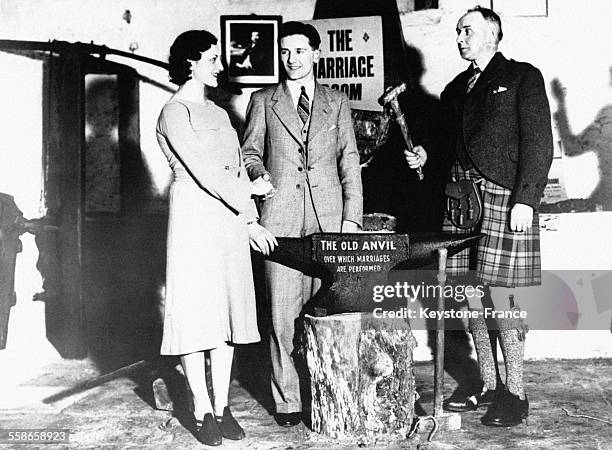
(500, 89)
(332, 127)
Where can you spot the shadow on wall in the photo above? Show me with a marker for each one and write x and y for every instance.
(124, 234)
(390, 186)
(596, 137)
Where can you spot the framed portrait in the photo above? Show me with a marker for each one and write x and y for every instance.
(250, 49)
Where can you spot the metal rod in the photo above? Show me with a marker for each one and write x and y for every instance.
(75, 47)
(439, 357)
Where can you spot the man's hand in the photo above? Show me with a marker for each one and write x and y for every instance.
(261, 240)
(521, 216)
(349, 227)
(416, 159)
(262, 187)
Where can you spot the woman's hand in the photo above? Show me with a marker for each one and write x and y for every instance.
(261, 240)
(417, 158)
(262, 187)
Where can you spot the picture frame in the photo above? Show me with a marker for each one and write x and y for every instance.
(520, 8)
(249, 47)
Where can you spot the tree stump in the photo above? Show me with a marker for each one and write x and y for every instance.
(362, 379)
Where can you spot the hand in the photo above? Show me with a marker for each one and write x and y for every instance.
(521, 216)
(261, 240)
(349, 227)
(262, 187)
(558, 90)
(417, 158)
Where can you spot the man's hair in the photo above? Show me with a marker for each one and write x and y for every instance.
(305, 29)
(492, 20)
(188, 46)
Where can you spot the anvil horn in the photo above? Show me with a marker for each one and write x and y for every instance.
(296, 253)
(424, 246)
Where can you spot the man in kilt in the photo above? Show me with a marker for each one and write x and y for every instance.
(498, 132)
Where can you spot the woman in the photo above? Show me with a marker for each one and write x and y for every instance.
(210, 299)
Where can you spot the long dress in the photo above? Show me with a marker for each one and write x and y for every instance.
(209, 296)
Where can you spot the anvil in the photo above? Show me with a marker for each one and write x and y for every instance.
(350, 265)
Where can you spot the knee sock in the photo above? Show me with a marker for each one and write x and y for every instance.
(484, 352)
(513, 349)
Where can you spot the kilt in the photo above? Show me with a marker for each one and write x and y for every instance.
(502, 257)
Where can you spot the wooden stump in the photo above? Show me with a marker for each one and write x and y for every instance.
(362, 379)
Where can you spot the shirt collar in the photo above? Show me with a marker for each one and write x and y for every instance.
(483, 65)
(295, 87)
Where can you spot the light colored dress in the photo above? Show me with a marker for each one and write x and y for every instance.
(210, 296)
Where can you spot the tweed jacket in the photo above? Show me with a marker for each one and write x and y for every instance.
(273, 143)
(504, 126)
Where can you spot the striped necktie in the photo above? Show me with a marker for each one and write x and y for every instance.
(473, 78)
(303, 106)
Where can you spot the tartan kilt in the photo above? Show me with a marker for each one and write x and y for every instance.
(502, 257)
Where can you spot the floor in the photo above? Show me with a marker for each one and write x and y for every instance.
(118, 411)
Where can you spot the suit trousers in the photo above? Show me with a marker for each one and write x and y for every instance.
(288, 291)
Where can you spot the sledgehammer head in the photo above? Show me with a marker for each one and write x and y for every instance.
(391, 93)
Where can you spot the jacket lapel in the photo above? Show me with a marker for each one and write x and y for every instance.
(282, 105)
(319, 116)
(493, 69)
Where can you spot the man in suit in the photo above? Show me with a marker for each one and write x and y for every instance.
(299, 135)
(499, 135)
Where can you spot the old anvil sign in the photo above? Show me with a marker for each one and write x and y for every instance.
(356, 264)
(350, 265)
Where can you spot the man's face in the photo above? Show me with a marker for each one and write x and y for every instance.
(298, 57)
(474, 37)
(254, 36)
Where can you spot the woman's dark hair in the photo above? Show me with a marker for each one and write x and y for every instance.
(187, 46)
(305, 29)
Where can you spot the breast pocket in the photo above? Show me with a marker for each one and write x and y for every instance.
(500, 101)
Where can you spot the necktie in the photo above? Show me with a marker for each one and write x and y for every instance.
(472, 80)
(303, 106)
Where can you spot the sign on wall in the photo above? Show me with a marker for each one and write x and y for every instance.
(352, 58)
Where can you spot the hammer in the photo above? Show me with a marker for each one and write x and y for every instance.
(390, 96)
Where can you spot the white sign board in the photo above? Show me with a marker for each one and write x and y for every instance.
(555, 188)
(352, 59)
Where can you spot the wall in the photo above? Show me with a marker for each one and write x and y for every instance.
(560, 45)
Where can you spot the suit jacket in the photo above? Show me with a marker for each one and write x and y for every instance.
(272, 143)
(504, 126)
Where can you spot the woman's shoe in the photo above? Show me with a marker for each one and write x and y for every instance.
(208, 432)
(508, 411)
(230, 429)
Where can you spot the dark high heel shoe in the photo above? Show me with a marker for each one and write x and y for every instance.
(508, 411)
(230, 429)
(207, 431)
